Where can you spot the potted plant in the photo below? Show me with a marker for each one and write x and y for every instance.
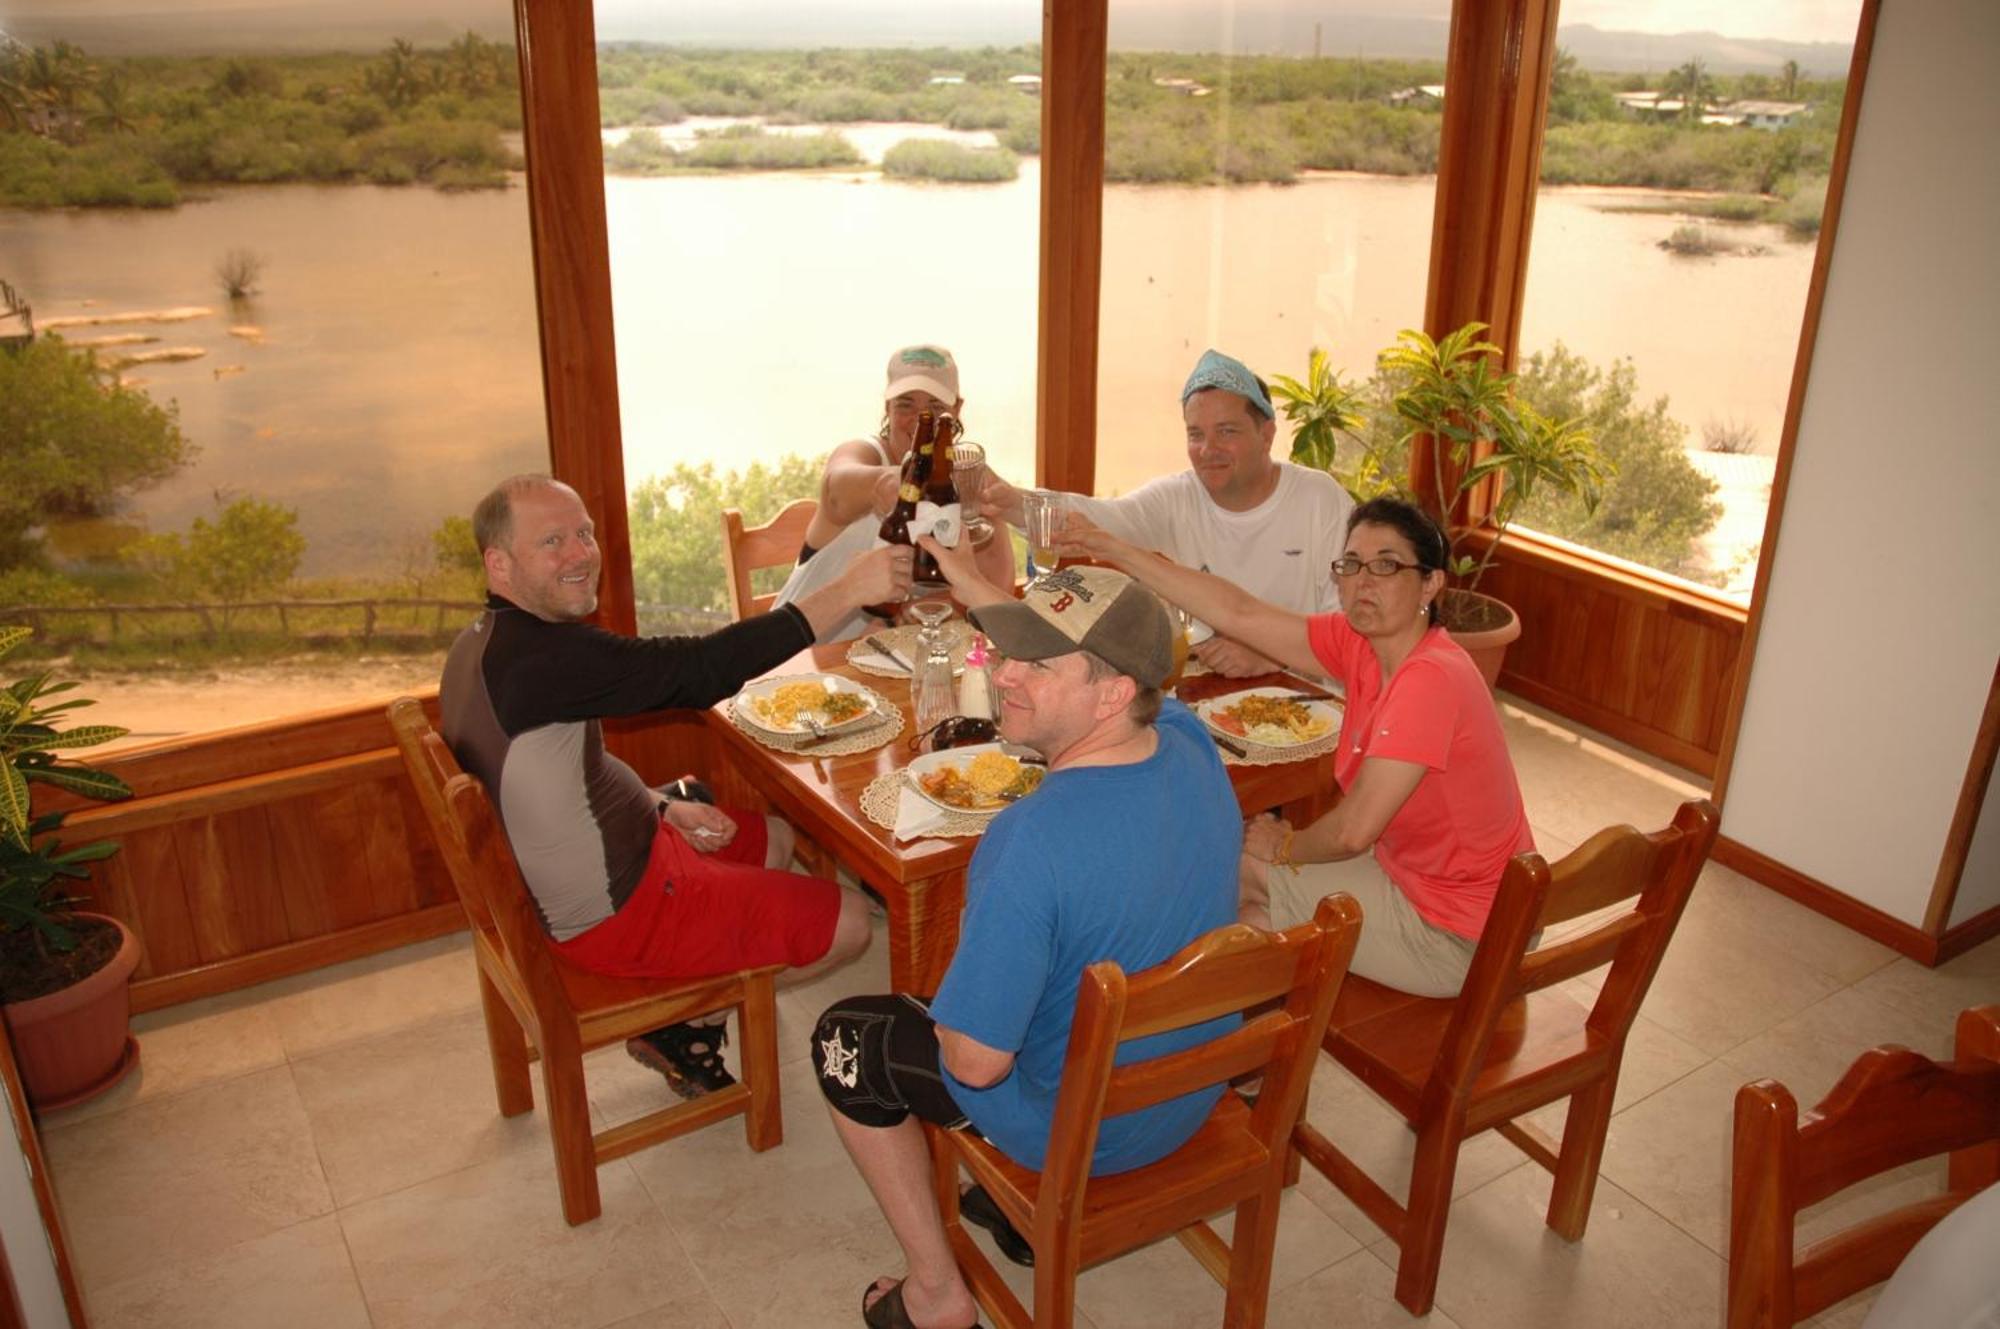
(63, 974)
(1488, 443)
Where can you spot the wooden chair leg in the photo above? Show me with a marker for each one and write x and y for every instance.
(1582, 1151)
(569, 1132)
(1252, 1244)
(1422, 1239)
(1055, 1288)
(507, 1047)
(757, 1028)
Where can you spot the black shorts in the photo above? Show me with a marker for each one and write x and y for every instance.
(877, 1061)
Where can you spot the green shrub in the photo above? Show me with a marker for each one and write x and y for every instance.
(1800, 212)
(935, 159)
(676, 525)
(760, 151)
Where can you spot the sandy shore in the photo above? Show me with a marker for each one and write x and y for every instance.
(172, 704)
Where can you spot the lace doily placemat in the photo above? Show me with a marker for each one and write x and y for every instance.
(1263, 756)
(885, 728)
(881, 799)
(958, 635)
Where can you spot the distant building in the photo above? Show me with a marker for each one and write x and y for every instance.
(1770, 114)
(1028, 83)
(946, 80)
(1186, 87)
(1425, 95)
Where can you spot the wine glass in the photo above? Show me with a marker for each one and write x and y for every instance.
(932, 692)
(968, 466)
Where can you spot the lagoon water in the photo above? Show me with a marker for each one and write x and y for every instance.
(398, 371)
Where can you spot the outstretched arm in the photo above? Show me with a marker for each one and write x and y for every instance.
(856, 484)
(1275, 633)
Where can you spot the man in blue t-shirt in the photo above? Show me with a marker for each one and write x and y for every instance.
(1127, 852)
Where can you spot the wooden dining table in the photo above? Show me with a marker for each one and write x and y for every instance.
(922, 882)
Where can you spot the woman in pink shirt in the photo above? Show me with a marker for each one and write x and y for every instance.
(1431, 809)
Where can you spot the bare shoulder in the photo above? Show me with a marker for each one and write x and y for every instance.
(855, 452)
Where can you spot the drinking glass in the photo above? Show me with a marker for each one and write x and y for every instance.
(1041, 518)
(1179, 617)
(968, 469)
(933, 694)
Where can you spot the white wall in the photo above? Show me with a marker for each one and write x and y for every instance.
(1882, 622)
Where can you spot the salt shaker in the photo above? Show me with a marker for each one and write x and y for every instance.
(975, 685)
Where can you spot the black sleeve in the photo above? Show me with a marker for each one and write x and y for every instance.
(546, 673)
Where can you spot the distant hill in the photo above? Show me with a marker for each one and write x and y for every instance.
(1335, 27)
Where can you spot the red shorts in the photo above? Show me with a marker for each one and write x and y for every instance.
(694, 914)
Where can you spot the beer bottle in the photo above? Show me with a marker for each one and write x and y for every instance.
(939, 489)
(895, 528)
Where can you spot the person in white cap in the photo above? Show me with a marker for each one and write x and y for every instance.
(1269, 526)
(859, 485)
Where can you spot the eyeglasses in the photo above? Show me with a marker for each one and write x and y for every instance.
(1377, 567)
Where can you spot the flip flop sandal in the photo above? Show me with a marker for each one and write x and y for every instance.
(887, 1311)
(977, 1207)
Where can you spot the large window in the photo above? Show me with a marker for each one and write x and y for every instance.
(1683, 177)
(781, 218)
(1269, 181)
(284, 335)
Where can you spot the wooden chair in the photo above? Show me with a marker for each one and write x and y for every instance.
(537, 1005)
(775, 544)
(1508, 1044)
(1892, 1107)
(1238, 1156)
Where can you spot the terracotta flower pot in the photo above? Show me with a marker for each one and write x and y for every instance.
(1493, 625)
(74, 1044)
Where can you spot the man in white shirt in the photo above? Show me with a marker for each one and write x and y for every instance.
(1269, 526)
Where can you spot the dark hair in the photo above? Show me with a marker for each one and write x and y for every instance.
(1411, 522)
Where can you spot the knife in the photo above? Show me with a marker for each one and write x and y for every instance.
(1229, 744)
(882, 648)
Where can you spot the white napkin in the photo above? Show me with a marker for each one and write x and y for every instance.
(944, 524)
(916, 816)
(877, 660)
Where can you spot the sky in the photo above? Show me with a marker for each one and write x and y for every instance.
(1788, 20)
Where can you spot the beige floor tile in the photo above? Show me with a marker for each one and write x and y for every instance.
(376, 995)
(1162, 1286)
(787, 1237)
(1936, 996)
(1811, 1051)
(488, 1246)
(185, 1178)
(1574, 784)
(1380, 1142)
(1357, 1293)
(1671, 1152)
(1654, 1059)
(299, 1277)
(1504, 1269)
(1726, 903)
(705, 1315)
(1719, 986)
(415, 1104)
(185, 1047)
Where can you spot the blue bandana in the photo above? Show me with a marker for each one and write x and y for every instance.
(1216, 370)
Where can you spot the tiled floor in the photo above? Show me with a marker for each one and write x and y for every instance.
(324, 1150)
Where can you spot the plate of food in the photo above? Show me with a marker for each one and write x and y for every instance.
(784, 705)
(1270, 717)
(982, 778)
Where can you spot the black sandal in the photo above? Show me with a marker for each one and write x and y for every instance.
(887, 1311)
(688, 1055)
(977, 1207)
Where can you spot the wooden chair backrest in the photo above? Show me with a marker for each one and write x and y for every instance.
(1893, 1107)
(1656, 872)
(1234, 969)
(772, 545)
(430, 764)
(478, 857)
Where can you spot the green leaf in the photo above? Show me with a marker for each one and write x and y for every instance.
(83, 736)
(10, 637)
(13, 801)
(100, 785)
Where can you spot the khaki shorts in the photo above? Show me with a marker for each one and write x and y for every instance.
(1398, 948)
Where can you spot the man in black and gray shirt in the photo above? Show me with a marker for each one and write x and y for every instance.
(628, 883)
